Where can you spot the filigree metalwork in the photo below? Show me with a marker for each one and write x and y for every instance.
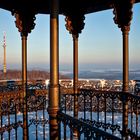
(133, 135)
(89, 131)
(37, 86)
(89, 100)
(36, 102)
(105, 104)
(74, 23)
(11, 102)
(67, 102)
(100, 125)
(10, 127)
(10, 88)
(24, 21)
(11, 110)
(89, 96)
(123, 14)
(38, 121)
(66, 90)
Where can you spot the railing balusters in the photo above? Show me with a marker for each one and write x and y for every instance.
(108, 102)
(71, 135)
(112, 112)
(65, 103)
(87, 131)
(136, 119)
(65, 113)
(15, 118)
(91, 107)
(72, 104)
(105, 110)
(122, 118)
(98, 107)
(64, 130)
(1, 117)
(44, 104)
(36, 125)
(8, 100)
(89, 101)
(84, 106)
(131, 113)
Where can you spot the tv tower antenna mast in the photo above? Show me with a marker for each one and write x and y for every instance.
(4, 47)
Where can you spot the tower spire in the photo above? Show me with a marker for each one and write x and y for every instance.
(4, 47)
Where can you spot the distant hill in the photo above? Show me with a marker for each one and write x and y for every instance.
(107, 74)
(31, 75)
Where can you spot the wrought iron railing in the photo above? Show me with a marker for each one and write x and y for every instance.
(12, 118)
(85, 130)
(105, 110)
(100, 113)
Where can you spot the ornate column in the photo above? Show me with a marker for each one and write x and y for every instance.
(53, 106)
(75, 73)
(123, 16)
(75, 24)
(25, 23)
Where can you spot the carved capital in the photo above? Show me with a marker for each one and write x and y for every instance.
(75, 24)
(123, 14)
(24, 22)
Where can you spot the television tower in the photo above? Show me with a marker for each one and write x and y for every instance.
(4, 47)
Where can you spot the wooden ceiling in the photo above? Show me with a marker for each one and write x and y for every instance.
(66, 6)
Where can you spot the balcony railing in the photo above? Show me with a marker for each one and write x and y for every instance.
(100, 114)
(86, 130)
(105, 110)
(12, 117)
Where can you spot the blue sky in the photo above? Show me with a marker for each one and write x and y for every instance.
(100, 43)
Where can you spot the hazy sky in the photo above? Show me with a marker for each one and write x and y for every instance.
(100, 43)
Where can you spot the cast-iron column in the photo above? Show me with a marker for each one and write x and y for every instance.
(125, 81)
(53, 106)
(75, 24)
(123, 15)
(24, 83)
(75, 74)
(24, 23)
(125, 60)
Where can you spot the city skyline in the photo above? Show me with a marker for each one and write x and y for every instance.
(100, 43)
